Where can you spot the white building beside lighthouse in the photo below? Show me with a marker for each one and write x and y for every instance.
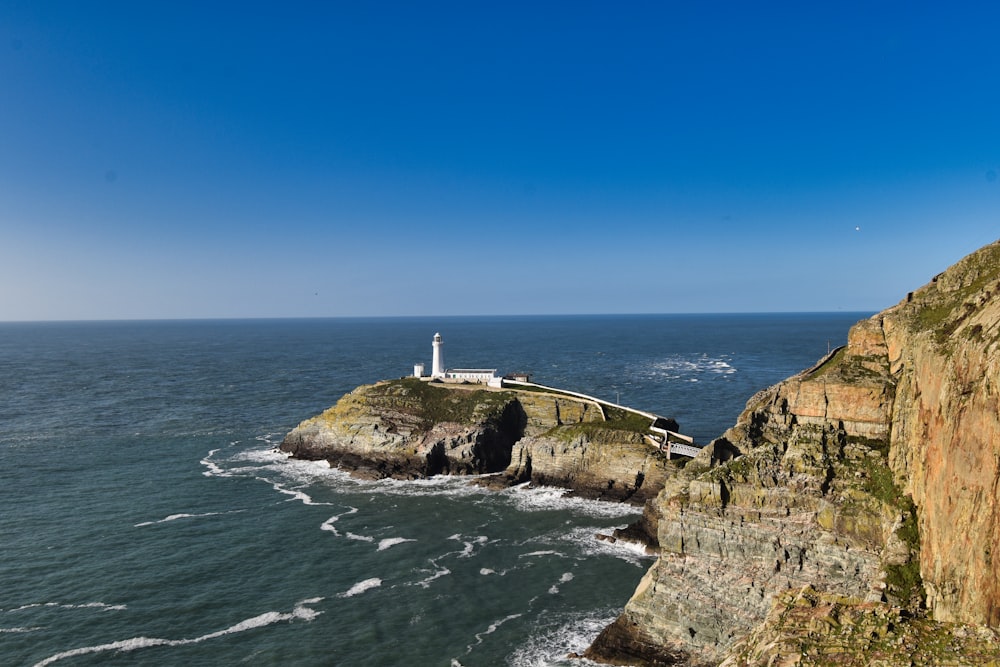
(439, 372)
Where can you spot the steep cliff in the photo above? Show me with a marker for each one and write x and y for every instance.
(870, 480)
(408, 428)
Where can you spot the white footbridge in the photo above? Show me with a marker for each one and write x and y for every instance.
(670, 442)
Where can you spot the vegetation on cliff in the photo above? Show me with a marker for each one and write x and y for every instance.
(809, 628)
(433, 404)
(951, 298)
(848, 518)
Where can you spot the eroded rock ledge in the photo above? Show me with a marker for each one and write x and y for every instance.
(850, 515)
(410, 428)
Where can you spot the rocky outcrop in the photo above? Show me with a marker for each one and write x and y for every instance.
(605, 463)
(410, 428)
(806, 627)
(871, 479)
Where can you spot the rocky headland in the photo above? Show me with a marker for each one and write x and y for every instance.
(411, 428)
(850, 515)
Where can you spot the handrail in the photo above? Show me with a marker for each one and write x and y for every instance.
(601, 404)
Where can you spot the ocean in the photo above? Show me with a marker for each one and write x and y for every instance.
(147, 518)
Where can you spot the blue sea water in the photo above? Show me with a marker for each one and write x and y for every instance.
(146, 518)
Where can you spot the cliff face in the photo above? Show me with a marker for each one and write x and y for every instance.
(943, 347)
(604, 463)
(408, 429)
(870, 480)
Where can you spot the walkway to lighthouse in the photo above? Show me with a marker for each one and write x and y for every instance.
(671, 442)
(659, 435)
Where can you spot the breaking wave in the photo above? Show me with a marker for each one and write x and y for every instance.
(301, 611)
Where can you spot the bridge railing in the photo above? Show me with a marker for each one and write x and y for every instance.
(669, 443)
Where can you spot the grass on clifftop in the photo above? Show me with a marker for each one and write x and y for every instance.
(814, 629)
(617, 420)
(851, 368)
(437, 404)
(944, 305)
(433, 403)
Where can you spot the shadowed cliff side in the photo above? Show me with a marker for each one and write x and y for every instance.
(864, 489)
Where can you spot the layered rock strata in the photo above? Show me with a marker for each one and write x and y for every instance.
(408, 429)
(871, 479)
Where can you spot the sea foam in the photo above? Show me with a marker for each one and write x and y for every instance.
(328, 524)
(391, 542)
(301, 611)
(551, 645)
(551, 498)
(493, 627)
(175, 517)
(103, 606)
(361, 587)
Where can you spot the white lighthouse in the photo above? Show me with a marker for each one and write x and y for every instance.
(437, 363)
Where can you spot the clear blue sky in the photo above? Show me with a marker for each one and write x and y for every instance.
(183, 159)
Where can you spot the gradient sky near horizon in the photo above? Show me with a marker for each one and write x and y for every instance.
(298, 159)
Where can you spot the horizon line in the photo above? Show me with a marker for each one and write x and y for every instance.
(424, 317)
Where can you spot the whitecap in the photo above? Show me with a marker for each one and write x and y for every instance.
(62, 605)
(359, 538)
(213, 469)
(96, 605)
(493, 627)
(391, 542)
(468, 547)
(565, 578)
(549, 552)
(437, 573)
(486, 571)
(361, 587)
(296, 494)
(684, 367)
(426, 583)
(175, 517)
(328, 524)
(301, 611)
(19, 630)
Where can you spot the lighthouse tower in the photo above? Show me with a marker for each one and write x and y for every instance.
(437, 363)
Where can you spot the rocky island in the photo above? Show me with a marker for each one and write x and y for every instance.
(410, 428)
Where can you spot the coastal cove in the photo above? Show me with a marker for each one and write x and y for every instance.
(149, 519)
